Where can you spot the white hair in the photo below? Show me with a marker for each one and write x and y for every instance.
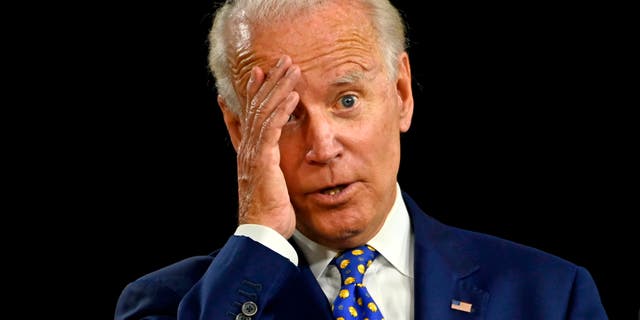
(385, 18)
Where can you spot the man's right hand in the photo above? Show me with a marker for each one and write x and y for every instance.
(262, 189)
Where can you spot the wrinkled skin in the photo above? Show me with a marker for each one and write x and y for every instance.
(318, 139)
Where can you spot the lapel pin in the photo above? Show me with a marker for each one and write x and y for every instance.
(460, 305)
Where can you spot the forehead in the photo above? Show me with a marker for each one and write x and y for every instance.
(335, 38)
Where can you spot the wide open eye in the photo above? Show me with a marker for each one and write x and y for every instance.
(348, 100)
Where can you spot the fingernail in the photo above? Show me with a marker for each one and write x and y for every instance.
(252, 75)
(291, 70)
(280, 62)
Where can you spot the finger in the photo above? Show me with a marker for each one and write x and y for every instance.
(284, 105)
(269, 93)
(276, 105)
(256, 79)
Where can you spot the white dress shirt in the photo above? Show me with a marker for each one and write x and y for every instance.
(389, 279)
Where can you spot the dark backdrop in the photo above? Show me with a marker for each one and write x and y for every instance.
(520, 130)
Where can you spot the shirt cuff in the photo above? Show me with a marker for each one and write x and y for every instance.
(270, 239)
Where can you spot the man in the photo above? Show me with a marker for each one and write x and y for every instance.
(315, 96)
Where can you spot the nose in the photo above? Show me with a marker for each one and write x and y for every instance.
(321, 139)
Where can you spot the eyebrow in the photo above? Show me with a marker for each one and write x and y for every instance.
(349, 78)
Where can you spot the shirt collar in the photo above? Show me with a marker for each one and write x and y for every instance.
(393, 241)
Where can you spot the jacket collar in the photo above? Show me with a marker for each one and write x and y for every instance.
(444, 269)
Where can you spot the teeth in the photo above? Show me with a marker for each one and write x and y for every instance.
(333, 191)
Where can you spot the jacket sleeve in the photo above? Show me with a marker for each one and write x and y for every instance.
(584, 302)
(148, 300)
(242, 279)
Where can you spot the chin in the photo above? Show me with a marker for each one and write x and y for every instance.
(338, 236)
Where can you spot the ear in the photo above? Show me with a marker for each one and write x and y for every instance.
(232, 121)
(405, 94)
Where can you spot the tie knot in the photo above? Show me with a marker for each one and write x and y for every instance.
(353, 263)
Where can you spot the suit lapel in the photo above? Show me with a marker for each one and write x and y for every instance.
(444, 271)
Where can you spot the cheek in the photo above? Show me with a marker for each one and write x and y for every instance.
(380, 133)
(385, 141)
(291, 154)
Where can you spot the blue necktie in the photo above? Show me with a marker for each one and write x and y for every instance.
(353, 300)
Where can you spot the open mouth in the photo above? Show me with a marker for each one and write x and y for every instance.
(334, 190)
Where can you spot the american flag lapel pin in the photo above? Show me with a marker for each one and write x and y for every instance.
(461, 305)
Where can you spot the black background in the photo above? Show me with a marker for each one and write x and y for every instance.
(522, 129)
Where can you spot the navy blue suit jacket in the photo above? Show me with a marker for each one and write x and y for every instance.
(501, 279)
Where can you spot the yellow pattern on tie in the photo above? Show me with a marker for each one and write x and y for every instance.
(353, 300)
